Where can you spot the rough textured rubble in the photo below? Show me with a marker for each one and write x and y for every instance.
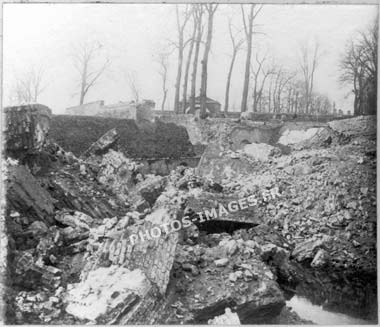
(311, 231)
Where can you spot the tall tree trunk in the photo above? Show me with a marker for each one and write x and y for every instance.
(187, 68)
(196, 58)
(83, 84)
(255, 99)
(203, 92)
(227, 96)
(249, 34)
(179, 74)
(81, 100)
(164, 100)
(246, 75)
(181, 28)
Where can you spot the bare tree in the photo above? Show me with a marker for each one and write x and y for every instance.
(163, 61)
(198, 13)
(308, 63)
(270, 92)
(181, 25)
(283, 81)
(359, 69)
(260, 74)
(248, 20)
(352, 72)
(28, 87)
(89, 65)
(134, 85)
(211, 9)
(236, 46)
(187, 66)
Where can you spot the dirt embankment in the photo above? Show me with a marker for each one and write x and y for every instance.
(136, 140)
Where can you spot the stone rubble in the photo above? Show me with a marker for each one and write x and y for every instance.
(312, 230)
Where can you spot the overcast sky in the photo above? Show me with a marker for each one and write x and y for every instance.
(44, 35)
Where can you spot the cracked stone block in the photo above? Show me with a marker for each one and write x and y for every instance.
(137, 248)
(26, 129)
(106, 293)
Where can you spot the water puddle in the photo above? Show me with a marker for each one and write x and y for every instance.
(306, 310)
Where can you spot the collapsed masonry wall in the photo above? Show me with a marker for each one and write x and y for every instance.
(136, 140)
(234, 132)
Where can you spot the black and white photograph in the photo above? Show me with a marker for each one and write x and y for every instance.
(193, 163)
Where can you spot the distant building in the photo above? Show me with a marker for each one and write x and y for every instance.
(86, 109)
(213, 107)
(349, 113)
(125, 110)
(340, 112)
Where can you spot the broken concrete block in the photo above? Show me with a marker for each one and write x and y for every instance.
(105, 292)
(103, 144)
(231, 247)
(308, 248)
(137, 248)
(320, 259)
(234, 276)
(222, 262)
(76, 219)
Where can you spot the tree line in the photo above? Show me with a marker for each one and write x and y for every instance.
(359, 69)
(267, 85)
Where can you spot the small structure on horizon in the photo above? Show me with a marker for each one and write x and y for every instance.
(142, 110)
(213, 107)
(86, 109)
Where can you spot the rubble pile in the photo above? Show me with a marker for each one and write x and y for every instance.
(223, 271)
(93, 239)
(326, 209)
